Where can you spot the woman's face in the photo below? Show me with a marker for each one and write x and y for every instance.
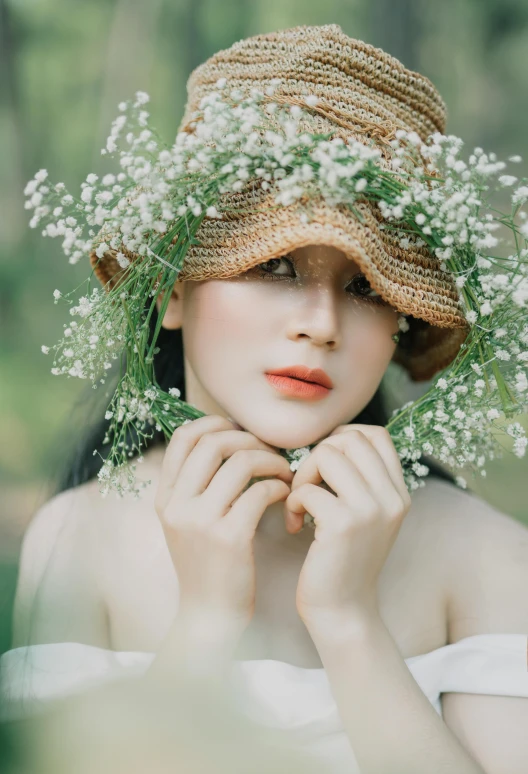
(310, 307)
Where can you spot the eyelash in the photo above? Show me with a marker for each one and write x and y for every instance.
(294, 260)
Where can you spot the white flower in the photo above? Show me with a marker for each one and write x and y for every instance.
(361, 184)
(520, 195)
(493, 414)
(44, 349)
(507, 180)
(515, 159)
(141, 98)
(403, 324)
(86, 194)
(57, 294)
(101, 249)
(122, 260)
(519, 447)
(109, 415)
(442, 384)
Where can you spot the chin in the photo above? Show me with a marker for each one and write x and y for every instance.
(286, 439)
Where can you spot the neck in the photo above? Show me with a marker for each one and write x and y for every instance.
(271, 530)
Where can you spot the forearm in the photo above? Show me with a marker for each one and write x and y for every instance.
(391, 725)
(199, 645)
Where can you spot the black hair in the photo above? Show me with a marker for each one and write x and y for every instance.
(81, 465)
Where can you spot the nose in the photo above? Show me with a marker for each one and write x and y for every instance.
(316, 317)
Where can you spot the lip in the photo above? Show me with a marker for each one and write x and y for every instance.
(301, 372)
(301, 382)
(296, 388)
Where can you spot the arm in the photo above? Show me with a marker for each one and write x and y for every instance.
(485, 557)
(392, 726)
(199, 645)
(490, 556)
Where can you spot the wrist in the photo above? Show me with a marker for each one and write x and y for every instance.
(341, 624)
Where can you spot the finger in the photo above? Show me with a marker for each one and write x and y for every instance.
(344, 477)
(309, 470)
(179, 447)
(309, 499)
(183, 440)
(383, 443)
(247, 511)
(359, 455)
(186, 437)
(220, 486)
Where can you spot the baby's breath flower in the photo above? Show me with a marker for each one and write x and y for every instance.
(428, 195)
(122, 260)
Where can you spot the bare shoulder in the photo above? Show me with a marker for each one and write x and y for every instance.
(76, 549)
(485, 558)
(56, 572)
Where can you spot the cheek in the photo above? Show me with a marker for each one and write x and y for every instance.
(221, 314)
(370, 339)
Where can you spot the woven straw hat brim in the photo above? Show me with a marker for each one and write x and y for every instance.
(256, 231)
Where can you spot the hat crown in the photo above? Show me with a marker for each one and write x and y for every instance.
(361, 89)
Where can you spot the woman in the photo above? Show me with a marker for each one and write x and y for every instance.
(384, 627)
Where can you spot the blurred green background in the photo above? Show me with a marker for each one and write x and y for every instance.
(65, 66)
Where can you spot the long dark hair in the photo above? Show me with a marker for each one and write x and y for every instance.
(81, 465)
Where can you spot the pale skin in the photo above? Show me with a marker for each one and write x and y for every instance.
(384, 577)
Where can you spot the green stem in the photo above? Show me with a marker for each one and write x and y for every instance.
(140, 359)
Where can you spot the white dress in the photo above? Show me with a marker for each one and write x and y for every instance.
(296, 700)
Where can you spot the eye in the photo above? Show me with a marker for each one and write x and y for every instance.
(273, 263)
(359, 282)
(362, 285)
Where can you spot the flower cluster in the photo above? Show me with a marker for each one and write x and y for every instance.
(153, 209)
(89, 346)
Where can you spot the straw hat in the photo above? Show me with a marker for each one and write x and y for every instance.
(362, 93)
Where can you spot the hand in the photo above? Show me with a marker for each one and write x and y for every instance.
(209, 524)
(356, 524)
